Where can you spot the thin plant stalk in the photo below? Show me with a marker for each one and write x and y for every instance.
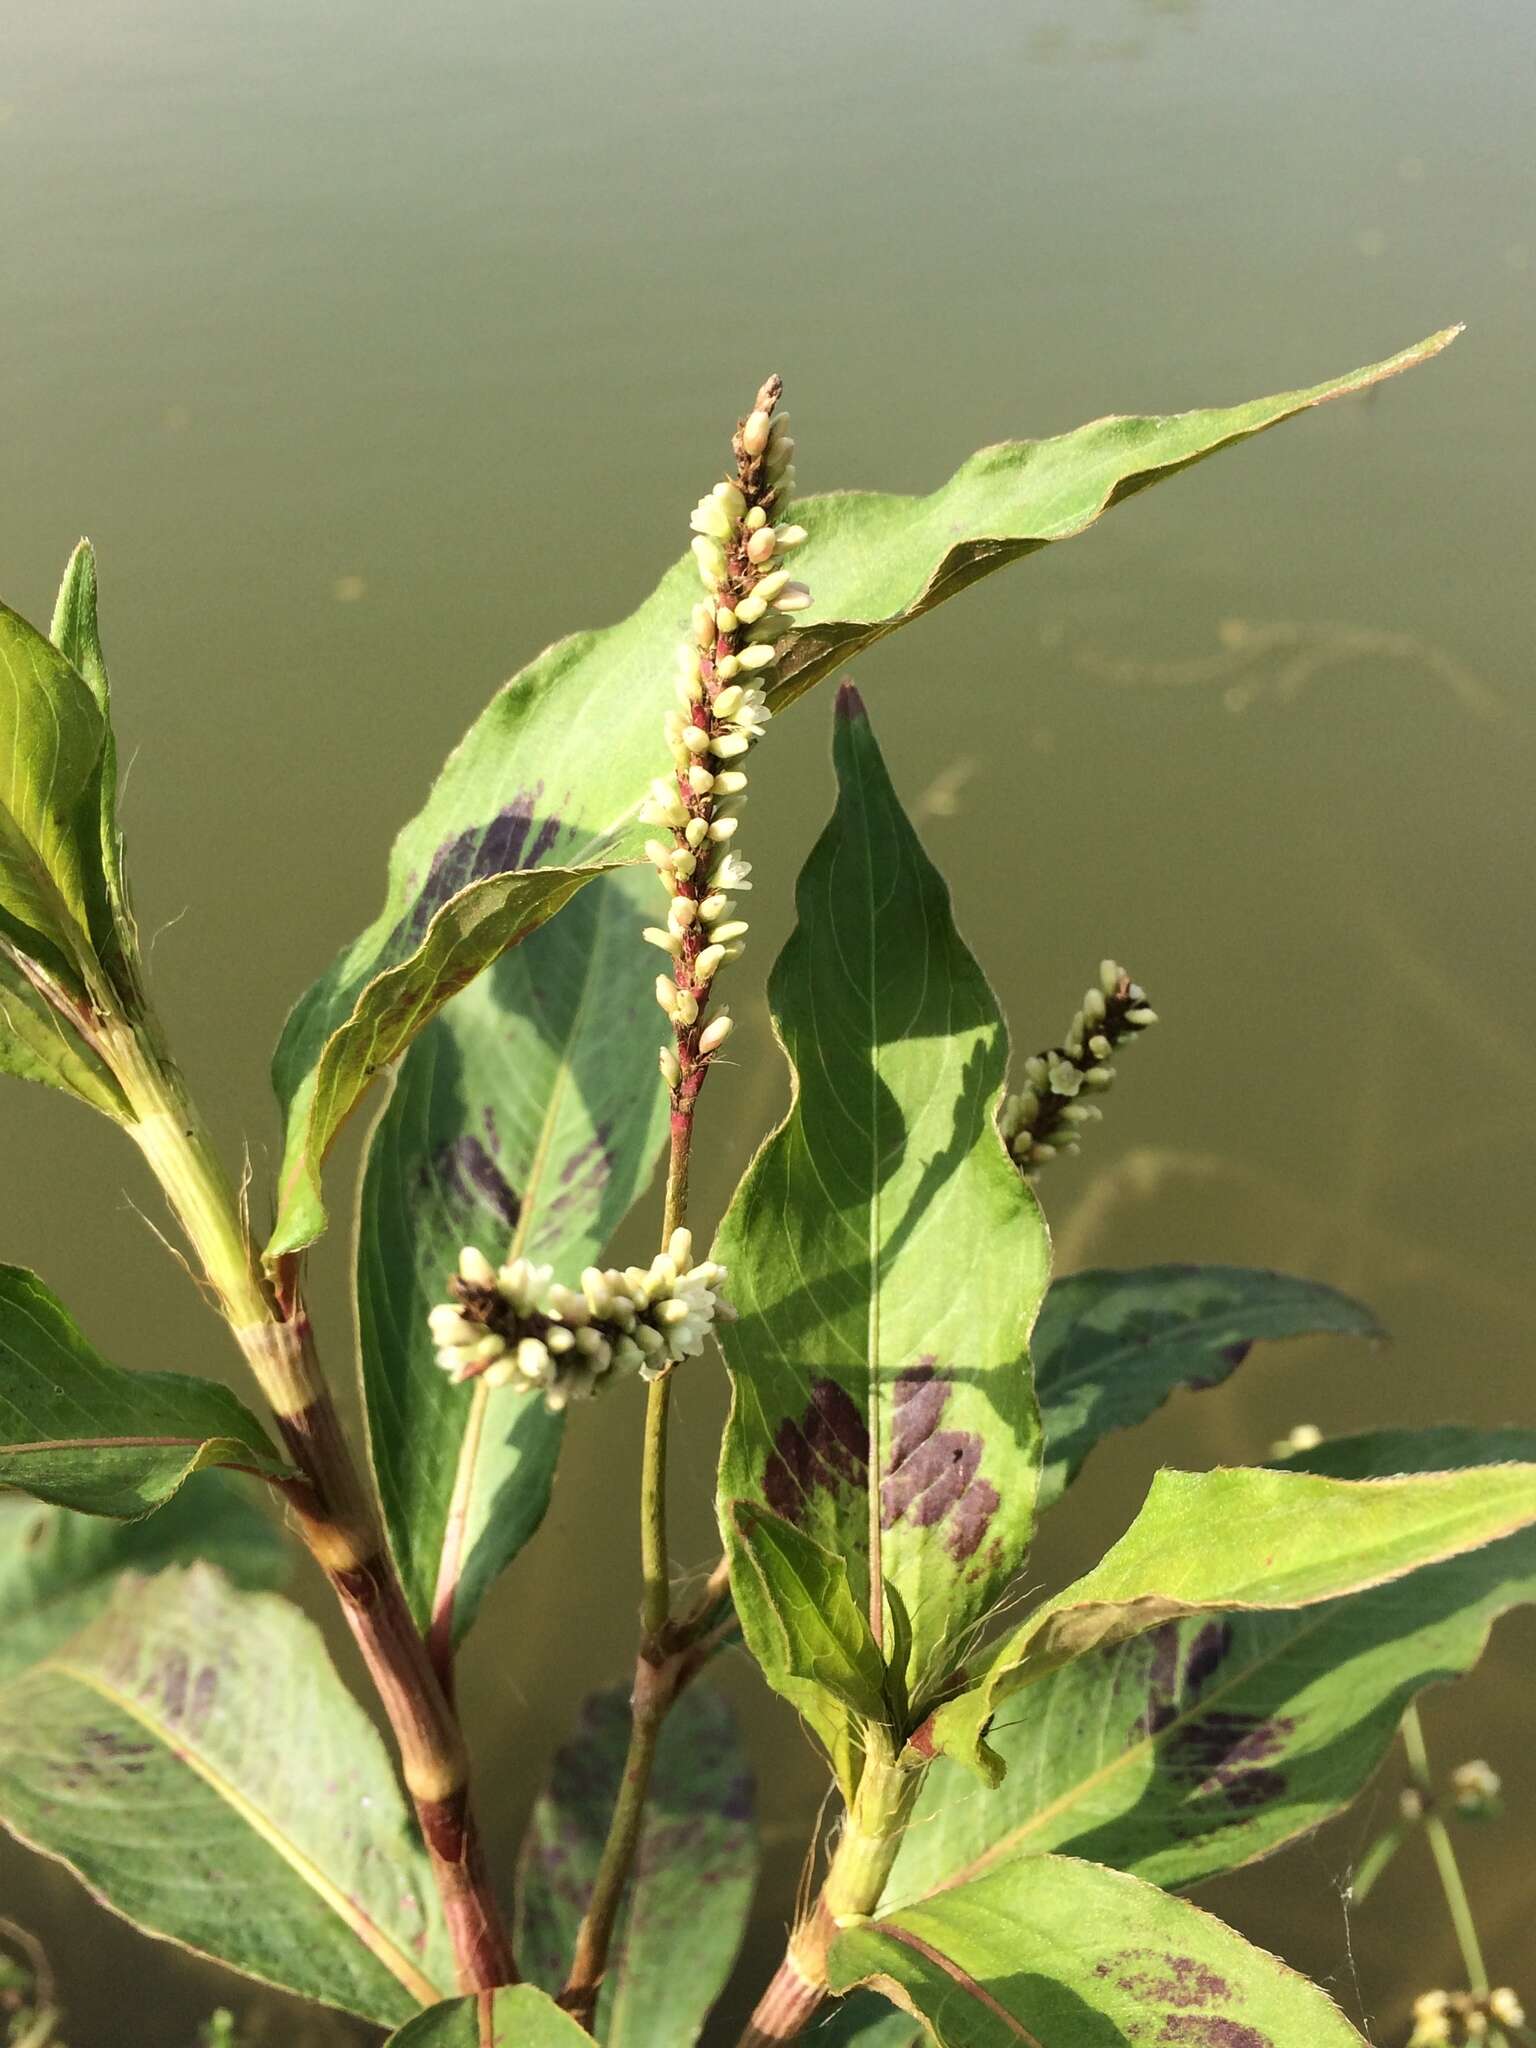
(1444, 1852)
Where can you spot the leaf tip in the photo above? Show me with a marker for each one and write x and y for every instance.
(850, 704)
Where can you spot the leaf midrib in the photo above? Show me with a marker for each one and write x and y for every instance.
(351, 1915)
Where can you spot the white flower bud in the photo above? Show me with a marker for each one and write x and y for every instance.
(659, 854)
(488, 1350)
(569, 1306)
(730, 782)
(795, 599)
(682, 861)
(710, 517)
(711, 561)
(696, 739)
(755, 431)
(722, 829)
(755, 518)
(1095, 1008)
(671, 1073)
(728, 491)
(760, 545)
(682, 913)
(1141, 1017)
(666, 994)
(708, 961)
(750, 609)
(768, 587)
(696, 831)
(533, 1360)
(501, 1374)
(700, 780)
(704, 624)
(560, 1340)
(686, 1008)
(726, 667)
(726, 619)
(476, 1268)
(680, 1248)
(736, 929)
(669, 942)
(449, 1327)
(730, 700)
(715, 1033)
(725, 746)
(761, 655)
(792, 536)
(713, 905)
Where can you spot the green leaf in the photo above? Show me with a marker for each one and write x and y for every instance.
(35, 1045)
(57, 1569)
(51, 737)
(84, 1434)
(866, 2020)
(194, 1759)
(886, 1264)
(801, 1621)
(515, 1121)
(1209, 1743)
(523, 2017)
(1110, 1347)
(551, 774)
(687, 1902)
(77, 635)
(1052, 1953)
(353, 1026)
(1210, 1542)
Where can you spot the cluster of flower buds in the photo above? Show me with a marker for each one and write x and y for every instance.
(1478, 1790)
(1463, 2016)
(740, 537)
(517, 1326)
(1047, 1117)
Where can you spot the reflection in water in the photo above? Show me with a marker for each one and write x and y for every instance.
(1278, 661)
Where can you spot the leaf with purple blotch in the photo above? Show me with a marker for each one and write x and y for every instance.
(1110, 1347)
(686, 1904)
(886, 1264)
(1209, 1743)
(578, 731)
(57, 1568)
(1049, 1952)
(518, 1123)
(194, 1758)
(1208, 1543)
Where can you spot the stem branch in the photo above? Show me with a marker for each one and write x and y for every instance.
(335, 1515)
(1444, 1853)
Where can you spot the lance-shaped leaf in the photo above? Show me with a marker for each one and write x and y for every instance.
(1212, 1742)
(1110, 1347)
(522, 2017)
(85, 1434)
(1213, 1542)
(886, 1264)
(686, 1904)
(1048, 1952)
(370, 1012)
(515, 1122)
(556, 766)
(76, 633)
(193, 1757)
(36, 1044)
(57, 1569)
(51, 737)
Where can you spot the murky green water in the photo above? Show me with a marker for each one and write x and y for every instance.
(376, 347)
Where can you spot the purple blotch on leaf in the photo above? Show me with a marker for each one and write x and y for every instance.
(932, 1473)
(825, 1450)
(1220, 1754)
(507, 842)
(465, 1171)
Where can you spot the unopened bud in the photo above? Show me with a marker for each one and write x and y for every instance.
(715, 1033)
(671, 1073)
(754, 432)
(760, 655)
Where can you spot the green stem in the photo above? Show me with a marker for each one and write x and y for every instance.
(663, 1664)
(856, 1878)
(336, 1515)
(1444, 1852)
